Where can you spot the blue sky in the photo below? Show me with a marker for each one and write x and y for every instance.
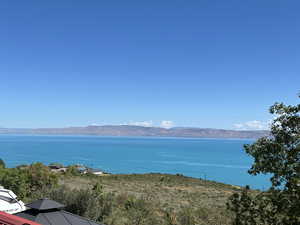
(200, 63)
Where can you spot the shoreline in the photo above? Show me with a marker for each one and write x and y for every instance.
(126, 137)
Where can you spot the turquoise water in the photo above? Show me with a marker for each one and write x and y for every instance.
(214, 159)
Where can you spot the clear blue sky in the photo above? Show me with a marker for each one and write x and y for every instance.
(200, 63)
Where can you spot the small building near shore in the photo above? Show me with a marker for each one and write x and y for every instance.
(96, 172)
(82, 169)
(57, 168)
(60, 170)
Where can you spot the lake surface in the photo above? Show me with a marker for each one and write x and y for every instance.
(221, 160)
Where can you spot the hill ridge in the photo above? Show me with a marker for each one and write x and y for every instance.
(131, 130)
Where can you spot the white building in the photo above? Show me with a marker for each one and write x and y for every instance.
(9, 202)
(96, 172)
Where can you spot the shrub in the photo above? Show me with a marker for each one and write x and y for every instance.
(15, 180)
(2, 164)
(40, 177)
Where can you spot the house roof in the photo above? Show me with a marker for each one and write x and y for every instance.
(9, 219)
(53, 216)
(95, 170)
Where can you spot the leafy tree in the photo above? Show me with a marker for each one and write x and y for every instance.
(40, 177)
(24, 181)
(2, 164)
(15, 180)
(279, 156)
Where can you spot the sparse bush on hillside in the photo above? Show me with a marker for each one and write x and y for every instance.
(40, 177)
(72, 171)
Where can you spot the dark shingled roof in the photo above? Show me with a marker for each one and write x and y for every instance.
(52, 216)
(45, 204)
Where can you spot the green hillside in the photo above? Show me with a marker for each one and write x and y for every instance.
(135, 199)
(168, 199)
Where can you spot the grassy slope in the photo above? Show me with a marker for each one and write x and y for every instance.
(166, 191)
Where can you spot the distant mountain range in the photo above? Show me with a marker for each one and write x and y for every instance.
(126, 130)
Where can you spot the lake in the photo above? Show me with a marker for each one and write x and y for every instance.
(221, 160)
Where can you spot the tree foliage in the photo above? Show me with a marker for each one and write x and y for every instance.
(24, 181)
(279, 156)
(2, 164)
(15, 180)
(40, 177)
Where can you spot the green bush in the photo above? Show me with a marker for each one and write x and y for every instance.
(72, 171)
(15, 180)
(90, 203)
(40, 177)
(25, 181)
(2, 164)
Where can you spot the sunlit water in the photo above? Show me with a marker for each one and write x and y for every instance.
(221, 160)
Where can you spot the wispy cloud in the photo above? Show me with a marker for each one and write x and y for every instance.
(148, 123)
(167, 124)
(252, 125)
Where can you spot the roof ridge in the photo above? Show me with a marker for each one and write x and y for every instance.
(44, 204)
(66, 218)
(81, 217)
(42, 214)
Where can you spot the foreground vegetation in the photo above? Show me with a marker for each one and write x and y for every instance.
(137, 199)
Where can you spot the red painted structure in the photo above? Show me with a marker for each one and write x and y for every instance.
(8, 219)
